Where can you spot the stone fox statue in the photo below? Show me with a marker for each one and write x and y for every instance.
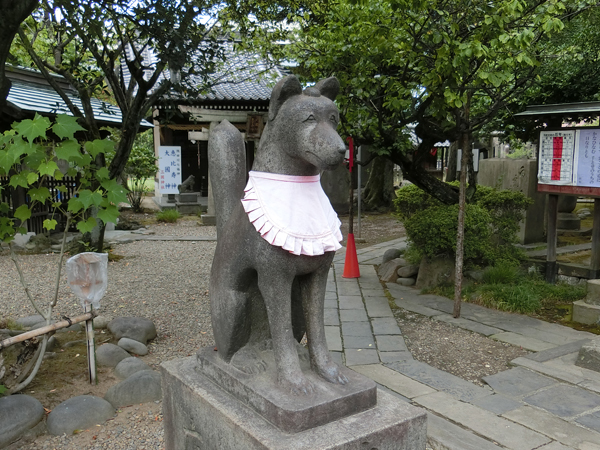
(277, 235)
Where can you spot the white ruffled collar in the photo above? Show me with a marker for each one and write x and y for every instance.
(292, 212)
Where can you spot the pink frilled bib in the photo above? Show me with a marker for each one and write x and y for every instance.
(292, 212)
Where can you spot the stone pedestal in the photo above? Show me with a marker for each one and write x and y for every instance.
(198, 414)
(588, 310)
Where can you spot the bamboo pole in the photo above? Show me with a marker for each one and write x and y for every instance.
(91, 350)
(43, 330)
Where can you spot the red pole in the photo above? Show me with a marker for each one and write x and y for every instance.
(351, 269)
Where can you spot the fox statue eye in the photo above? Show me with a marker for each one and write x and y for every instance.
(310, 118)
(333, 119)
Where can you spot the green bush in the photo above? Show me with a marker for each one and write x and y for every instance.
(168, 215)
(502, 273)
(502, 209)
(522, 298)
(433, 232)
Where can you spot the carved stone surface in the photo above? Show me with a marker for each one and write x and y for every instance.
(200, 415)
(258, 290)
(290, 413)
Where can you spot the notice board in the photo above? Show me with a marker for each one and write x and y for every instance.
(569, 162)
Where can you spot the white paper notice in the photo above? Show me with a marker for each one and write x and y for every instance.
(169, 166)
(556, 157)
(587, 159)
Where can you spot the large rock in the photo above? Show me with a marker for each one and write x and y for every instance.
(141, 387)
(406, 281)
(137, 328)
(129, 366)
(101, 322)
(435, 271)
(18, 415)
(133, 346)
(390, 254)
(589, 356)
(110, 355)
(388, 271)
(78, 413)
(408, 271)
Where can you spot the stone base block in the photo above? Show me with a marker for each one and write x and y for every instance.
(188, 197)
(589, 356)
(189, 208)
(585, 313)
(200, 415)
(290, 413)
(568, 221)
(208, 219)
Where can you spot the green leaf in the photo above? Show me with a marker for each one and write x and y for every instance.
(85, 197)
(32, 177)
(66, 126)
(6, 160)
(102, 173)
(39, 194)
(99, 146)
(50, 224)
(33, 128)
(48, 168)
(19, 179)
(110, 214)
(69, 151)
(115, 192)
(22, 213)
(75, 205)
(86, 226)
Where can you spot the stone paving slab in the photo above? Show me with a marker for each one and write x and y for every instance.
(558, 429)
(442, 434)
(544, 368)
(556, 446)
(501, 430)
(331, 316)
(353, 315)
(378, 307)
(330, 304)
(518, 382)
(365, 342)
(385, 325)
(528, 343)
(564, 400)
(351, 302)
(470, 325)
(591, 421)
(497, 403)
(419, 309)
(356, 329)
(355, 357)
(440, 380)
(557, 352)
(334, 339)
(390, 357)
(390, 343)
(393, 380)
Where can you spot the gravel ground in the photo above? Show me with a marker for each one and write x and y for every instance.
(167, 282)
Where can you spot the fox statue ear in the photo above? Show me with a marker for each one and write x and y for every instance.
(329, 87)
(284, 89)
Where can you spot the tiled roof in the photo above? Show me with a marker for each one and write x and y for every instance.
(41, 98)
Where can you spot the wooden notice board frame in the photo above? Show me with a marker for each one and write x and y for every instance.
(570, 170)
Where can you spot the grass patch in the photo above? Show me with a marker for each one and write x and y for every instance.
(10, 324)
(168, 215)
(507, 288)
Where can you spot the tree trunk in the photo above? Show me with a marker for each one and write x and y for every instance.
(14, 12)
(379, 191)
(452, 162)
(460, 233)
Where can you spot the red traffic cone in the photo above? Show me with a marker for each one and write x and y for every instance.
(351, 269)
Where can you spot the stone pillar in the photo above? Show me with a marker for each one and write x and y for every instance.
(588, 310)
(209, 218)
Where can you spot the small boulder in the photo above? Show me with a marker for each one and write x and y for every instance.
(133, 346)
(101, 322)
(141, 387)
(129, 366)
(390, 254)
(30, 321)
(435, 271)
(388, 272)
(406, 281)
(408, 271)
(18, 414)
(110, 355)
(78, 413)
(137, 328)
(476, 275)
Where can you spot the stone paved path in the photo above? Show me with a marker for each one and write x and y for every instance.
(544, 402)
